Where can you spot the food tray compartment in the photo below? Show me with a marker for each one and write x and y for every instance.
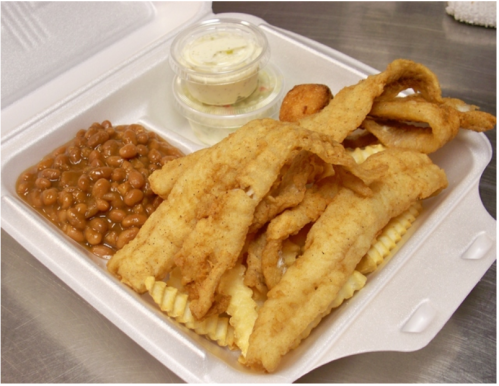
(373, 319)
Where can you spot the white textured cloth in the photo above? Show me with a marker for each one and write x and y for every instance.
(482, 13)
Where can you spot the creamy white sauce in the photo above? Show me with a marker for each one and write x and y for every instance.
(225, 66)
(219, 51)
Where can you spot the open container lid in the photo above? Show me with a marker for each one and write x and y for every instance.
(420, 312)
(46, 63)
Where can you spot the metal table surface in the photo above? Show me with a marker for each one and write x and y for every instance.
(50, 335)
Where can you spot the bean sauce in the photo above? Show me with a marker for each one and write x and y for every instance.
(96, 188)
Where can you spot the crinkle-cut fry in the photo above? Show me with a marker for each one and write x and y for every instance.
(242, 308)
(176, 305)
(335, 244)
(354, 283)
(388, 239)
(350, 106)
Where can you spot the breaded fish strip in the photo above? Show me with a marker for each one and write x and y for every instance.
(334, 246)
(350, 106)
(163, 180)
(204, 259)
(152, 251)
(390, 122)
(290, 191)
(292, 221)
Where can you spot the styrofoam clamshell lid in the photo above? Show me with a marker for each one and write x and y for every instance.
(403, 305)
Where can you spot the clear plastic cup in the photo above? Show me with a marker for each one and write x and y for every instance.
(219, 60)
(212, 123)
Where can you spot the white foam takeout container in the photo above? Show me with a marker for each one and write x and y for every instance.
(403, 305)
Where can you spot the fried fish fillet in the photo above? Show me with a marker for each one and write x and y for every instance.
(350, 106)
(152, 251)
(398, 122)
(202, 258)
(334, 246)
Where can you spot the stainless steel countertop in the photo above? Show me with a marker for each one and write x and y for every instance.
(51, 335)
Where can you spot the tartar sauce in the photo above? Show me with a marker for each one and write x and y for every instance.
(220, 61)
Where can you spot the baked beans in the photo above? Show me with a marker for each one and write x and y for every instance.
(96, 188)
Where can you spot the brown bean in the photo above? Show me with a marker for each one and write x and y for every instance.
(98, 138)
(133, 197)
(106, 124)
(155, 155)
(99, 224)
(110, 148)
(81, 208)
(114, 161)
(92, 209)
(124, 188)
(142, 150)
(28, 176)
(65, 199)
(128, 151)
(129, 136)
(100, 172)
(102, 205)
(92, 236)
(61, 162)
(69, 178)
(102, 251)
(75, 234)
(118, 175)
(50, 174)
(117, 215)
(35, 198)
(111, 238)
(76, 219)
(49, 196)
(136, 220)
(157, 202)
(79, 196)
(126, 236)
(142, 138)
(62, 216)
(91, 131)
(101, 187)
(136, 179)
(43, 183)
(97, 163)
(85, 152)
(84, 183)
(153, 143)
(74, 154)
(59, 150)
(23, 188)
(114, 199)
(94, 154)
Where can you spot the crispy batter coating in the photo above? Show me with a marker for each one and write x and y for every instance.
(334, 246)
(346, 112)
(215, 243)
(414, 123)
(152, 251)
